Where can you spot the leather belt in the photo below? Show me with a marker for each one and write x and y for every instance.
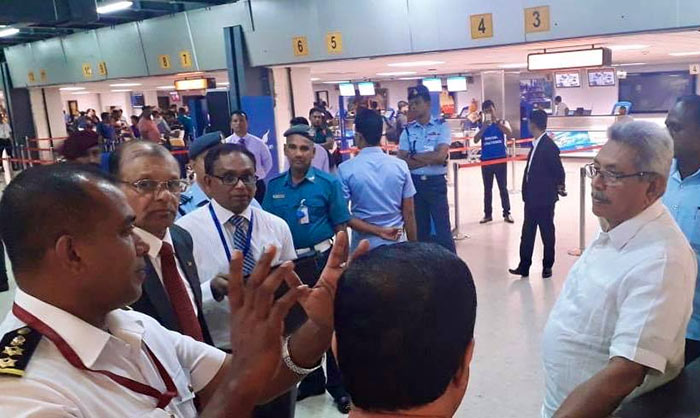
(321, 247)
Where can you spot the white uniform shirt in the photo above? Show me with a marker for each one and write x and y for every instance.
(52, 387)
(5, 131)
(629, 295)
(560, 109)
(154, 246)
(211, 260)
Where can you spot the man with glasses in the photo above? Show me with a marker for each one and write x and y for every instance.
(150, 179)
(543, 181)
(618, 327)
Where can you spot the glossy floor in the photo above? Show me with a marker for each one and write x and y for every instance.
(506, 377)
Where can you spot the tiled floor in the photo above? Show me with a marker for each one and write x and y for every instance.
(506, 377)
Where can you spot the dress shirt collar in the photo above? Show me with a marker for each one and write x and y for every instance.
(623, 233)
(676, 174)
(310, 176)
(224, 214)
(431, 121)
(154, 243)
(537, 141)
(371, 150)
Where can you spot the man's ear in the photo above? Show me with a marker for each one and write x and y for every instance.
(656, 188)
(66, 253)
(462, 376)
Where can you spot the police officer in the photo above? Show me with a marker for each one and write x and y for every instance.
(424, 145)
(196, 197)
(312, 203)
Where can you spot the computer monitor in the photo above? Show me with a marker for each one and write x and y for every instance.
(433, 84)
(366, 88)
(347, 89)
(456, 83)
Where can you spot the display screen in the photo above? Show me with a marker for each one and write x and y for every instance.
(347, 89)
(137, 100)
(433, 84)
(174, 96)
(366, 88)
(563, 80)
(655, 92)
(457, 84)
(598, 78)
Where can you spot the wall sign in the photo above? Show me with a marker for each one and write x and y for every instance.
(30, 77)
(42, 75)
(164, 61)
(185, 59)
(481, 25)
(300, 46)
(87, 70)
(102, 68)
(537, 19)
(334, 42)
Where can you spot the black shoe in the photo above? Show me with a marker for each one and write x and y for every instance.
(343, 404)
(307, 393)
(546, 273)
(486, 219)
(509, 219)
(519, 272)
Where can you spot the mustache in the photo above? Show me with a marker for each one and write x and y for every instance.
(600, 197)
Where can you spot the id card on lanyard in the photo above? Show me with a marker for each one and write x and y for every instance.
(222, 237)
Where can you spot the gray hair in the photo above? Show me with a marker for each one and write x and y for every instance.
(652, 143)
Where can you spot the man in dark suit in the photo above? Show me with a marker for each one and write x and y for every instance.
(150, 178)
(543, 181)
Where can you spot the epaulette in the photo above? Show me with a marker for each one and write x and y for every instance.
(440, 120)
(17, 349)
(185, 198)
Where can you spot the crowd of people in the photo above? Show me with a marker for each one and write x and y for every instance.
(225, 296)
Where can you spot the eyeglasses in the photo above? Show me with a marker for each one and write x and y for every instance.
(146, 186)
(230, 179)
(611, 178)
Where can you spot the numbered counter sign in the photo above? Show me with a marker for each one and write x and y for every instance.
(87, 70)
(102, 68)
(30, 77)
(334, 42)
(481, 25)
(185, 59)
(537, 19)
(164, 61)
(42, 75)
(300, 46)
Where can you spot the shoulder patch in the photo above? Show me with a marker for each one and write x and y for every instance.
(17, 348)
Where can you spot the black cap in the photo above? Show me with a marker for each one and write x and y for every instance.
(419, 91)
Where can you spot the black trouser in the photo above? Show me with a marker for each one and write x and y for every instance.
(692, 350)
(501, 173)
(260, 190)
(542, 217)
(4, 282)
(431, 206)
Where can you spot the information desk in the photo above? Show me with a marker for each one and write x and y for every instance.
(679, 398)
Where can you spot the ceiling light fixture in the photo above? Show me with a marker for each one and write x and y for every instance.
(114, 6)
(125, 84)
(120, 90)
(395, 73)
(336, 82)
(8, 32)
(170, 87)
(415, 63)
(628, 47)
(410, 78)
(630, 64)
(315, 78)
(71, 88)
(82, 92)
(684, 54)
(515, 65)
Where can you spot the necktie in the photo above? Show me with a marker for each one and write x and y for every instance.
(179, 299)
(240, 239)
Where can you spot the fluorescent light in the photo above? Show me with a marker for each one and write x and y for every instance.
(71, 88)
(315, 78)
(594, 57)
(628, 47)
(114, 6)
(170, 87)
(82, 92)
(684, 54)
(125, 84)
(515, 65)
(336, 82)
(8, 32)
(410, 78)
(225, 83)
(393, 73)
(120, 90)
(415, 63)
(629, 64)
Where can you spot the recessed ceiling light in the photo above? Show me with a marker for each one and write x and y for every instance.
(120, 90)
(410, 78)
(166, 87)
(315, 78)
(82, 92)
(628, 47)
(125, 84)
(113, 6)
(629, 64)
(8, 32)
(336, 82)
(223, 83)
(394, 73)
(415, 63)
(515, 65)
(71, 88)
(684, 54)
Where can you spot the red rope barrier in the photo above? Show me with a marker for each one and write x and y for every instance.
(523, 157)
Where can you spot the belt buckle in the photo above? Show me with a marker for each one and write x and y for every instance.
(424, 177)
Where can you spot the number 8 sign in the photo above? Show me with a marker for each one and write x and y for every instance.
(300, 46)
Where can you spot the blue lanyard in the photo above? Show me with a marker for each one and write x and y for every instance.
(223, 237)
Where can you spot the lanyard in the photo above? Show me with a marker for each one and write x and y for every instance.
(222, 237)
(72, 357)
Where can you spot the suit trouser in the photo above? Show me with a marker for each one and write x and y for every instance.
(431, 205)
(500, 171)
(542, 217)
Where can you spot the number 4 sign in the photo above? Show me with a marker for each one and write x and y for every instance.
(481, 26)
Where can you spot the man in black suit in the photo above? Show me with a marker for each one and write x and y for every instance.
(543, 181)
(150, 179)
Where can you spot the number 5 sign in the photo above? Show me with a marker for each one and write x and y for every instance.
(300, 46)
(334, 42)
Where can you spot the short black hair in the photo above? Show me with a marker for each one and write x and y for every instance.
(557, 99)
(488, 103)
(181, 110)
(370, 125)
(316, 110)
(104, 116)
(216, 152)
(538, 118)
(141, 148)
(240, 113)
(692, 104)
(404, 317)
(299, 120)
(44, 202)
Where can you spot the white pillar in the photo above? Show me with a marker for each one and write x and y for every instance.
(55, 108)
(302, 90)
(283, 108)
(41, 126)
(150, 98)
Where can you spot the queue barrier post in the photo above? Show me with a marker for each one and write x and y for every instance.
(582, 216)
(457, 235)
(514, 187)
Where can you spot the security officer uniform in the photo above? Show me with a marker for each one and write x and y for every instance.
(195, 197)
(429, 181)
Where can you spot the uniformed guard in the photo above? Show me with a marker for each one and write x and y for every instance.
(424, 145)
(312, 203)
(196, 196)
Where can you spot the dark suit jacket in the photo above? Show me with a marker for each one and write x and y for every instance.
(154, 300)
(546, 174)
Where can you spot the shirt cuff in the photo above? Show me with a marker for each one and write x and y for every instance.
(208, 294)
(640, 356)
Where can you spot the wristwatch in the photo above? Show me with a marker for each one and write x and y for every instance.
(287, 358)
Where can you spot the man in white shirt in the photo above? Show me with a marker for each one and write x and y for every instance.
(256, 146)
(560, 108)
(618, 327)
(71, 351)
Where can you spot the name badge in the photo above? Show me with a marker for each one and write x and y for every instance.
(303, 213)
(278, 196)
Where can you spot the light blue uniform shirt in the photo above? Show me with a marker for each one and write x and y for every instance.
(376, 184)
(682, 198)
(417, 139)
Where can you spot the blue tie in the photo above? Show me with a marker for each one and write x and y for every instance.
(239, 242)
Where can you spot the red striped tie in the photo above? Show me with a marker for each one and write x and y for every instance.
(177, 292)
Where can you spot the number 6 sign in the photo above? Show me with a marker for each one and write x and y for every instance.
(300, 46)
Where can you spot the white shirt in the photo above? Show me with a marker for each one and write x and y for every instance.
(211, 260)
(259, 149)
(534, 149)
(560, 109)
(155, 244)
(629, 295)
(52, 387)
(5, 130)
